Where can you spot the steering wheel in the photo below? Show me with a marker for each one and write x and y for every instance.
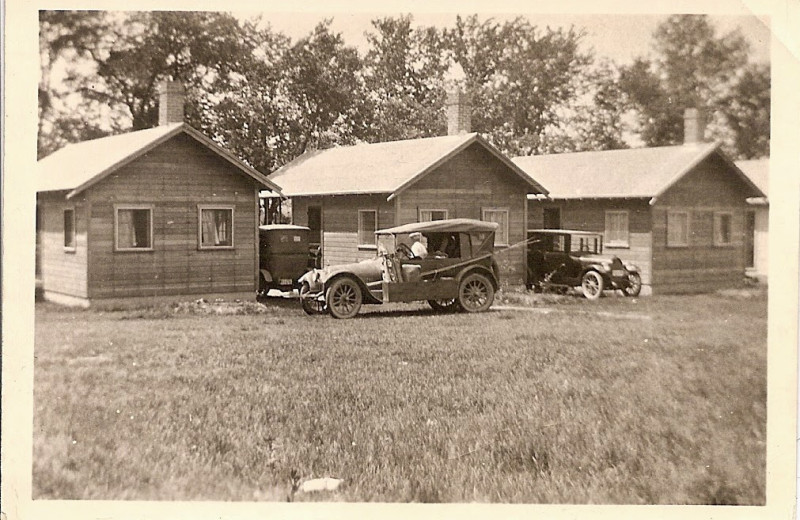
(403, 249)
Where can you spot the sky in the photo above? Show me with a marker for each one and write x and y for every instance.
(620, 38)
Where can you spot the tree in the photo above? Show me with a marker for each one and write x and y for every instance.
(203, 50)
(694, 67)
(747, 111)
(404, 67)
(518, 77)
(66, 40)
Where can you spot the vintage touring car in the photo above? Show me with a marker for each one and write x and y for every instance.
(459, 272)
(559, 259)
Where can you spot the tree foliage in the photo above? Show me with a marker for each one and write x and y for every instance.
(695, 67)
(518, 76)
(269, 99)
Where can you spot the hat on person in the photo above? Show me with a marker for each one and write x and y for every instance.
(415, 235)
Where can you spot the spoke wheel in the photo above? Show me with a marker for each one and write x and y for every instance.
(634, 285)
(592, 285)
(344, 298)
(309, 302)
(476, 293)
(444, 305)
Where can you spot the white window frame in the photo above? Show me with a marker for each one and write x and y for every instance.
(484, 211)
(429, 212)
(366, 245)
(622, 243)
(125, 207)
(681, 243)
(74, 235)
(205, 207)
(717, 222)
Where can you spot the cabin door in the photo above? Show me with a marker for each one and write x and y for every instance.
(749, 239)
(314, 217)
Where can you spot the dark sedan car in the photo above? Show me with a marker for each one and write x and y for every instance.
(561, 259)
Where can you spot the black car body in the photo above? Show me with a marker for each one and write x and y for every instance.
(560, 259)
(283, 257)
(459, 272)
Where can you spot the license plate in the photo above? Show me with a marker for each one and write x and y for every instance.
(285, 281)
(618, 272)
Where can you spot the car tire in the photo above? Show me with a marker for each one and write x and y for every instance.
(592, 285)
(634, 285)
(344, 298)
(310, 306)
(445, 305)
(475, 293)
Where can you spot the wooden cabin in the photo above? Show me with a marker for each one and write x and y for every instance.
(162, 212)
(757, 219)
(345, 194)
(678, 212)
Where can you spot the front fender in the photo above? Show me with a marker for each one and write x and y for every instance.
(365, 292)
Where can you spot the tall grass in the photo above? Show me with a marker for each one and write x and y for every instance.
(576, 406)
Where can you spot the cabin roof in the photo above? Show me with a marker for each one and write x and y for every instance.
(758, 172)
(386, 168)
(78, 166)
(629, 173)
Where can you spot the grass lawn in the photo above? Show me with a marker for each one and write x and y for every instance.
(626, 401)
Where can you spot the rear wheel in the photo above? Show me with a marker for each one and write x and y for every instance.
(634, 285)
(592, 285)
(344, 298)
(310, 304)
(444, 305)
(475, 293)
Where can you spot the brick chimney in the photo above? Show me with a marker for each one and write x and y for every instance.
(458, 103)
(694, 126)
(170, 102)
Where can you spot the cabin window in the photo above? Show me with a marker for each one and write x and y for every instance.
(428, 215)
(677, 229)
(133, 228)
(499, 216)
(216, 227)
(616, 229)
(723, 229)
(69, 230)
(367, 226)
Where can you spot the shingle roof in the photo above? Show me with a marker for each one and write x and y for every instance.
(78, 166)
(630, 173)
(387, 167)
(758, 172)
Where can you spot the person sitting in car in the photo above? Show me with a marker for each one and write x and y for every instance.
(417, 247)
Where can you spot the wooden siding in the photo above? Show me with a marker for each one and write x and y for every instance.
(700, 266)
(340, 223)
(62, 272)
(590, 215)
(466, 184)
(175, 177)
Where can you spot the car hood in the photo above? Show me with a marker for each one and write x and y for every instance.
(368, 270)
(598, 259)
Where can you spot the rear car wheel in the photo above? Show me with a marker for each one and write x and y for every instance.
(344, 298)
(444, 305)
(475, 293)
(634, 285)
(592, 284)
(310, 304)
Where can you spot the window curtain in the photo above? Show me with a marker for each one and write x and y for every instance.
(126, 231)
(216, 227)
